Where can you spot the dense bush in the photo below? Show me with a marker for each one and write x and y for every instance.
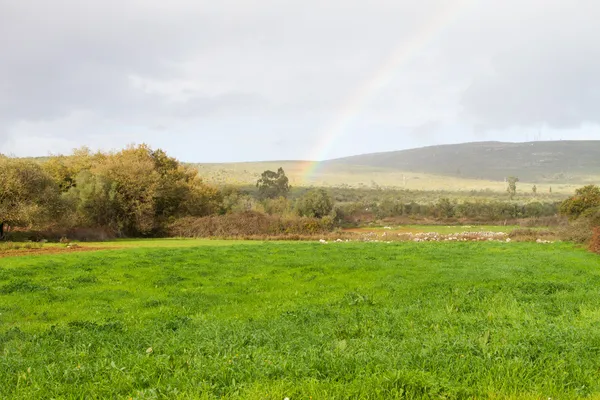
(315, 203)
(595, 240)
(580, 230)
(445, 209)
(585, 198)
(133, 192)
(583, 211)
(247, 224)
(27, 193)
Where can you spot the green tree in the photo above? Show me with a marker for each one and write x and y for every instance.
(314, 203)
(138, 191)
(64, 169)
(585, 198)
(512, 186)
(445, 208)
(28, 194)
(273, 184)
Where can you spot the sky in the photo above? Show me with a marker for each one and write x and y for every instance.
(249, 80)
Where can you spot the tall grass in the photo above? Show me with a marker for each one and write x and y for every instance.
(6, 246)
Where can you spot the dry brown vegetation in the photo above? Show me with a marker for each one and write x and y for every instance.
(595, 241)
(248, 224)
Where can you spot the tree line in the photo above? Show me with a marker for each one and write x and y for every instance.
(141, 192)
(134, 192)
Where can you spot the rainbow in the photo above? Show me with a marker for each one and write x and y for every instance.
(352, 107)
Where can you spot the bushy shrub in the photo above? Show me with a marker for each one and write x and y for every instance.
(314, 203)
(28, 194)
(278, 206)
(247, 224)
(585, 198)
(578, 231)
(445, 208)
(595, 240)
(531, 235)
(583, 210)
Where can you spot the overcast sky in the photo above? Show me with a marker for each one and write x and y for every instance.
(235, 80)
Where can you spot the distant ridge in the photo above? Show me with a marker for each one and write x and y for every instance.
(531, 161)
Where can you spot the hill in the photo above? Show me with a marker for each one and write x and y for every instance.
(343, 175)
(552, 161)
(561, 165)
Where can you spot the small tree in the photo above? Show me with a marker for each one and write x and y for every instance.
(273, 184)
(512, 186)
(315, 203)
(445, 208)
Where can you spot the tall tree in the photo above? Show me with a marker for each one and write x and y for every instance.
(27, 193)
(273, 184)
(512, 186)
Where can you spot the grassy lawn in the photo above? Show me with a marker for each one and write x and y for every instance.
(256, 320)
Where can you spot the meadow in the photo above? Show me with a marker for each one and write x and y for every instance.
(270, 320)
(369, 177)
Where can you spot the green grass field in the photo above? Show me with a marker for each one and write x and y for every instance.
(251, 320)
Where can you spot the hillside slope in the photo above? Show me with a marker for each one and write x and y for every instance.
(553, 161)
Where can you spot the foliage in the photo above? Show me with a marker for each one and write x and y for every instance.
(585, 198)
(300, 320)
(445, 208)
(273, 184)
(64, 169)
(581, 229)
(27, 193)
(512, 186)
(595, 240)
(247, 223)
(136, 191)
(277, 206)
(315, 203)
(140, 191)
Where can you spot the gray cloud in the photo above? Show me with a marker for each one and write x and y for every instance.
(549, 78)
(105, 73)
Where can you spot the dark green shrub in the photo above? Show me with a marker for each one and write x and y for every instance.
(315, 203)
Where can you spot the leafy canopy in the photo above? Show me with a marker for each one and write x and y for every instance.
(315, 203)
(273, 184)
(585, 198)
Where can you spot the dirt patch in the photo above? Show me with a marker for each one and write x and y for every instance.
(49, 250)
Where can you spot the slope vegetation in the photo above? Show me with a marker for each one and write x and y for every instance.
(555, 161)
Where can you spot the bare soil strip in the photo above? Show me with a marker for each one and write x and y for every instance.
(49, 250)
